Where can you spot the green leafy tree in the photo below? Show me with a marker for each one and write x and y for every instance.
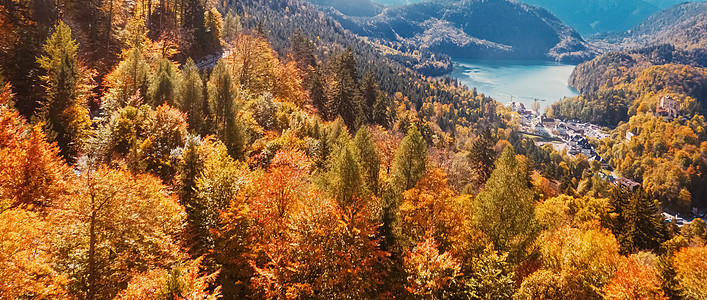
(347, 183)
(191, 96)
(490, 276)
(409, 166)
(164, 84)
(231, 27)
(222, 103)
(367, 154)
(410, 162)
(66, 119)
(130, 78)
(505, 209)
(208, 180)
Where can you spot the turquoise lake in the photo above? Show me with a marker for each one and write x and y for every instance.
(519, 81)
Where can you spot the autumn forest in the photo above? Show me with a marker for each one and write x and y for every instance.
(218, 149)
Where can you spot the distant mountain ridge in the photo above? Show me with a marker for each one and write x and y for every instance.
(473, 29)
(590, 17)
(596, 16)
(683, 26)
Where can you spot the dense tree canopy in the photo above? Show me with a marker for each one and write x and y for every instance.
(190, 149)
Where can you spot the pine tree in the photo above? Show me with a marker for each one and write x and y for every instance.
(66, 119)
(231, 27)
(191, 96)
(640, 225)
(213, 24)
(369, 91)
(482, 157)
(303, 51)
(504, 209)
(347, 184)
(318, 94)
(367, 154)
(381, 112)
(162, 88)
(224, 111)
(346, 96)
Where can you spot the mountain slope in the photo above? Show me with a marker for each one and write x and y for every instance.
(663, 4)
(684, 26)
(595, 16)
(356, 8)
(474, 29)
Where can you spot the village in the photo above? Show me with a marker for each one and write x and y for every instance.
(574, 138)
(571, 136)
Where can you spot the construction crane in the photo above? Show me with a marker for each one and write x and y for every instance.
(522, 97)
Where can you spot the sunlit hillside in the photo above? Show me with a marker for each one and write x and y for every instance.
(282, 149)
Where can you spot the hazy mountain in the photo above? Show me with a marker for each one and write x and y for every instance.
(595, 16)
(588, 17)
(662, 4)
(356, 8)
(683, 26)
(474, 29)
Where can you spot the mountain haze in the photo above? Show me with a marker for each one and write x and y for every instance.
(684, 26)
(595, 16)
(473, 29)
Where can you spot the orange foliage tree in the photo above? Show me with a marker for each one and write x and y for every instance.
(301, 243)
(431, 275)
(32, 175)
(117, 225)
(634, 280)
(428, 207)
(25, 258)
(690, 265)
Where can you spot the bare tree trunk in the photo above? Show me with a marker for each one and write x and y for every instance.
(110, 26)
(92, 243)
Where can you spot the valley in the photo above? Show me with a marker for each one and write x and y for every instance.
(348, 149)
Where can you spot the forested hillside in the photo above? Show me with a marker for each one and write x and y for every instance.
(590, 17)
(176, 149)
(623, 91)
(473, 29)
(682, 26)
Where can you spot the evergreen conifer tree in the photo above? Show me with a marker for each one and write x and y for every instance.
(482, 157)
(640, 224)
(64, 113)
(191, 96)
(223, 108)
(367, 154)
(318, 94)
(369, 91)
(164, 83)
(346, 96)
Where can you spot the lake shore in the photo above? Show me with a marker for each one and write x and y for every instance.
(516, 81)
